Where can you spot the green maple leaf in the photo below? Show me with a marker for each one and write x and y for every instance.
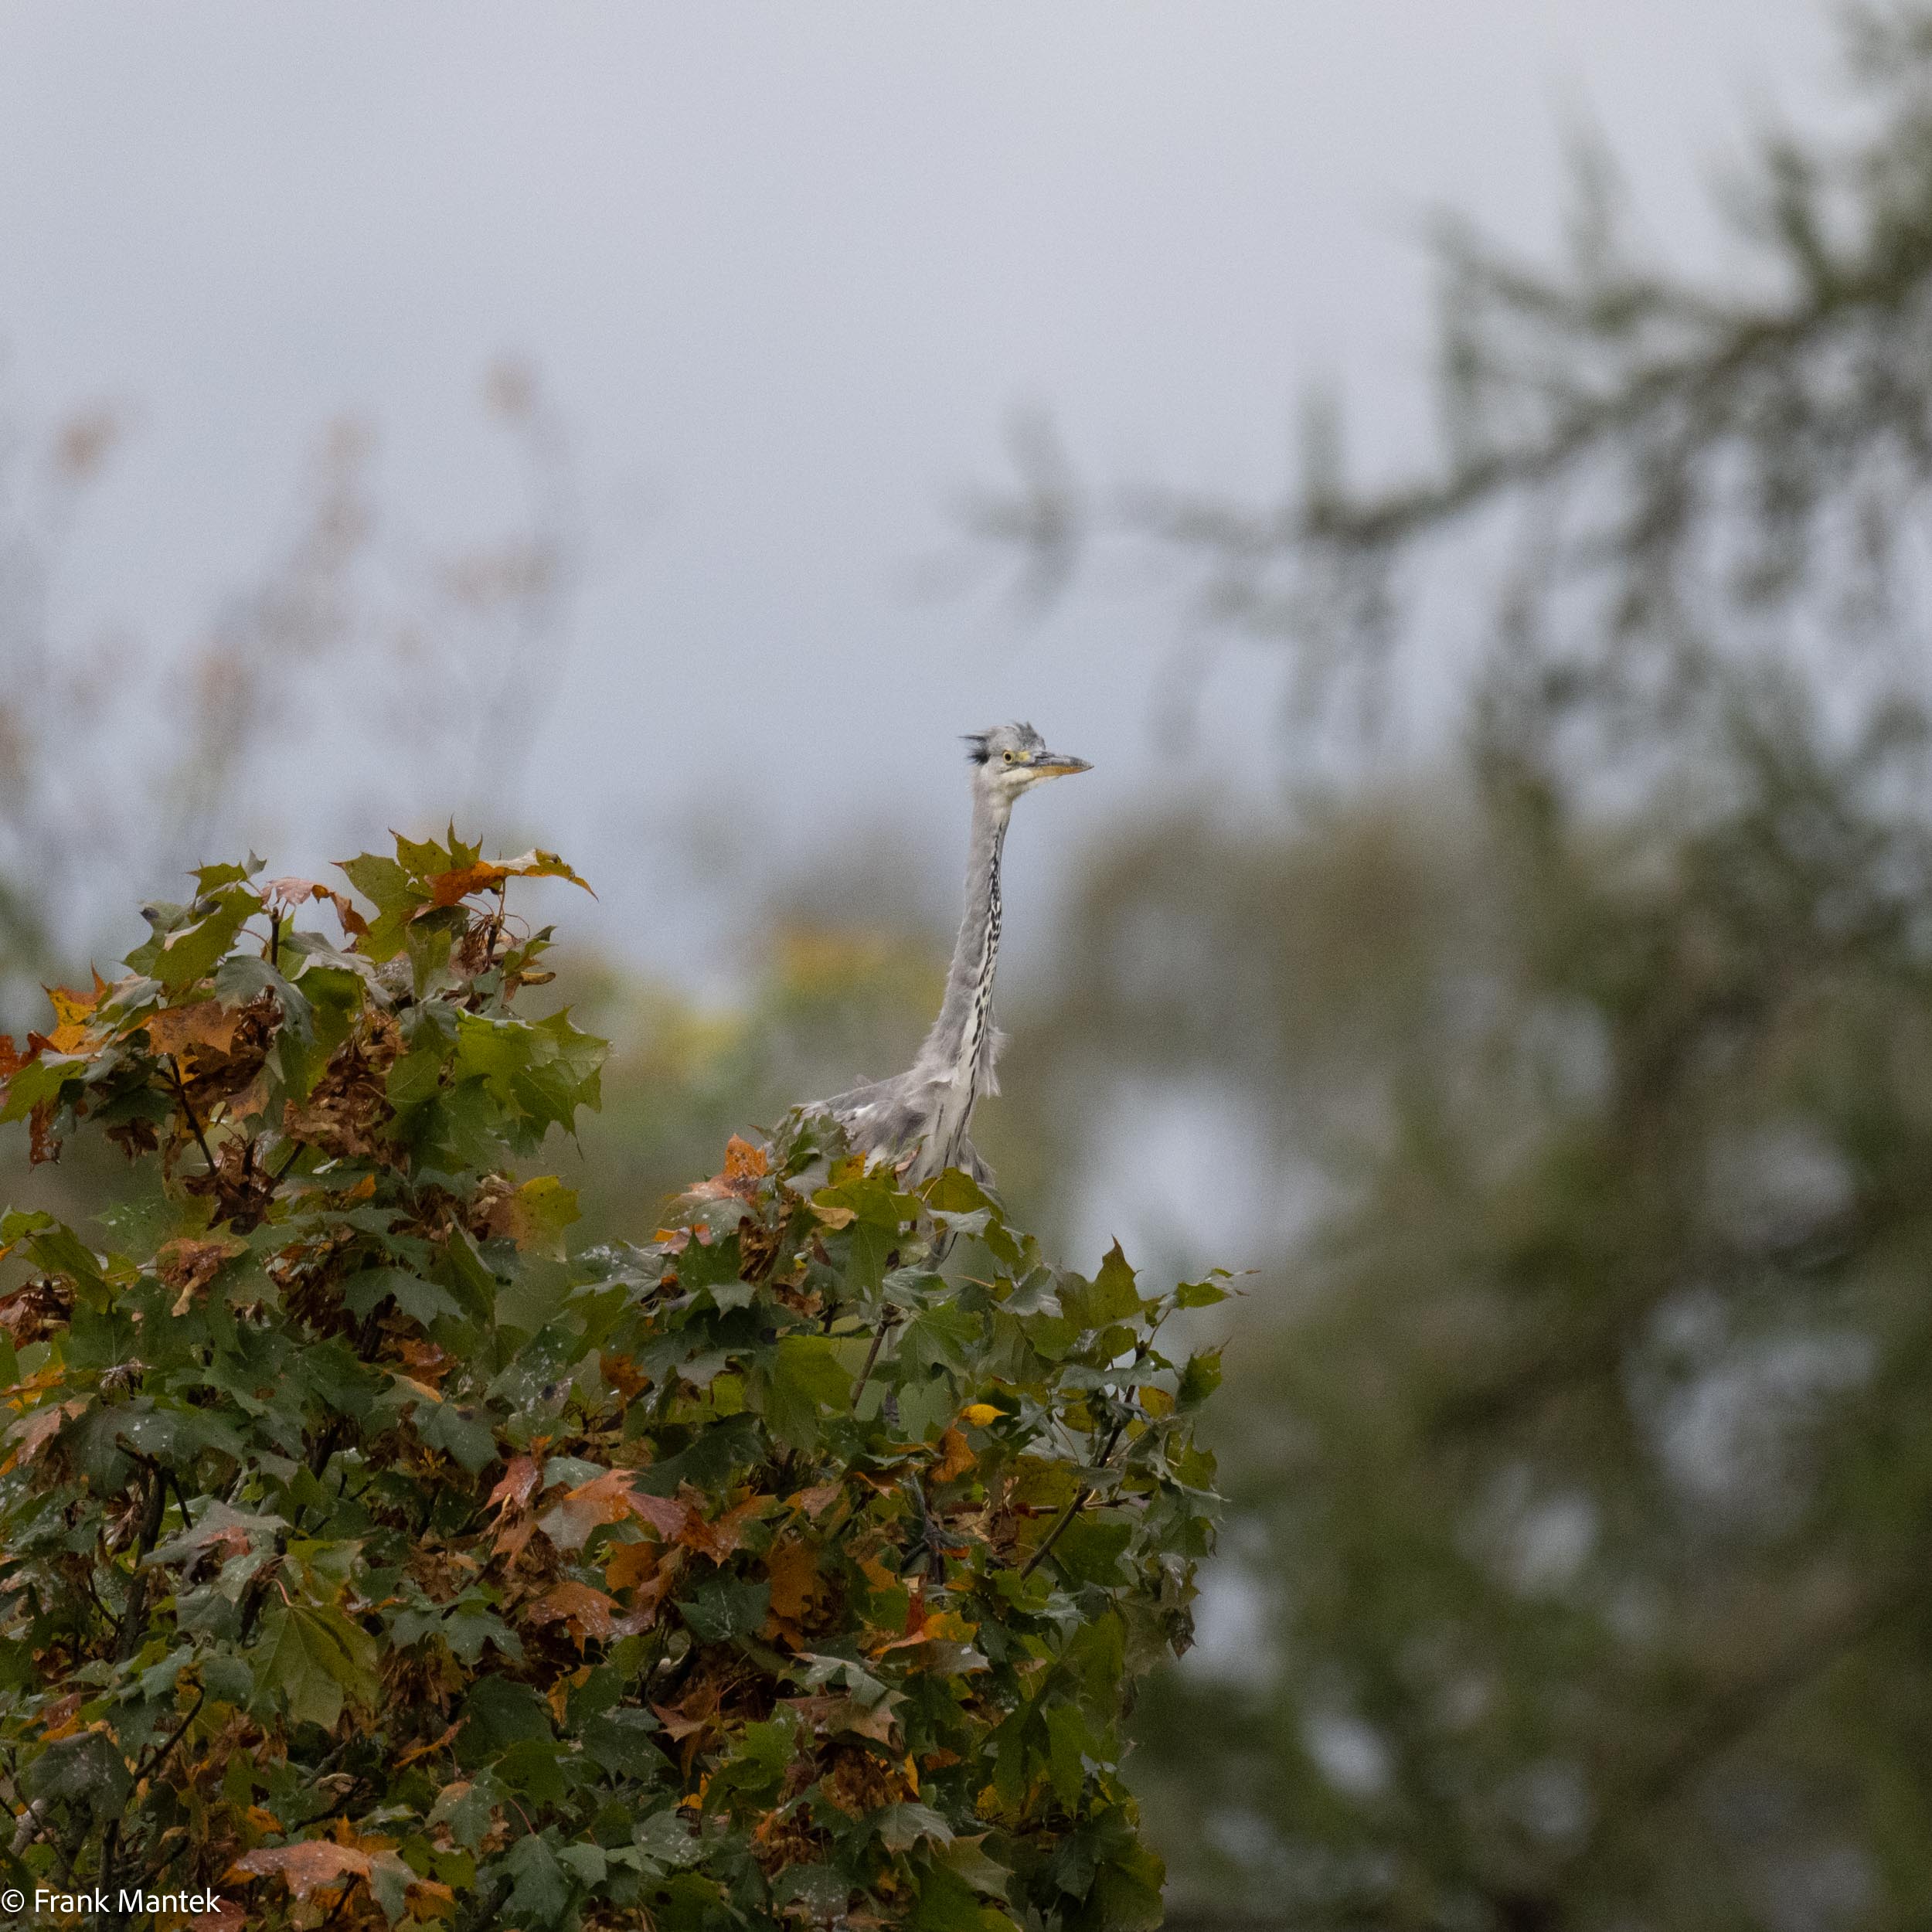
(316, 1658)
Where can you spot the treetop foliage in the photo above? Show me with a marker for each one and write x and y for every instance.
(372, 1555)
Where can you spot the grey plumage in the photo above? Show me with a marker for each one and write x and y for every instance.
(927, 1111)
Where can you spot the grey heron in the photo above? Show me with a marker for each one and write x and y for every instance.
(927, 1111)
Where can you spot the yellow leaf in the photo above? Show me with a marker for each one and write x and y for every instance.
(70, 1006)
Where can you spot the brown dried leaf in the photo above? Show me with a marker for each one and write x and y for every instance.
(188, 1266)
(517, 1485)
(241, 1191)
(206, 1023)
(427, 1363)
(35, 1310)
(430, 1749)
(43, 1144)
(696, 1712)
(346, 1112)
(186, 1263)
(250, 1100)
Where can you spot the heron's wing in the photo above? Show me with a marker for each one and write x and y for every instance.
(884, 1114)
(970, 1159)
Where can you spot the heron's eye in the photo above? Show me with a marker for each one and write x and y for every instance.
(1008, 756)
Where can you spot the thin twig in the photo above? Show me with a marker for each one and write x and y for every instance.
(181, 1497)
(1053, 1536)
(155, 1759)
(1082, 1496)
(134, 1616)
(496, 924)
(872, 1356)
(187, 1108)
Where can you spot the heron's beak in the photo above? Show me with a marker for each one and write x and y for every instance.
(1056, 764)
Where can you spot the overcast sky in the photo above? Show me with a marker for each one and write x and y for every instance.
(788, 270)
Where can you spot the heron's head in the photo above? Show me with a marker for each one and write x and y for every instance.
(1013, 758)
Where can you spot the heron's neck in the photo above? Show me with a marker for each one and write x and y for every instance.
(964, 1015)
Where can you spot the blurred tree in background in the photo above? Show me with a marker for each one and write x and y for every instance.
(1581, 1451)
(124, 759)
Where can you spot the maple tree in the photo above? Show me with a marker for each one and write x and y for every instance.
(373, 1554)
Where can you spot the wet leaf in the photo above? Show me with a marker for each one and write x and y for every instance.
(308, 1867)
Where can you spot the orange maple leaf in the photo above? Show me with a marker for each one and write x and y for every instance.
(959, 1457)
(609, 1498)
(206, 1023)
(629, 1565)
(428, 1749)
(38, 1428)
(796, 1584)
(584, 1612)
(718, 1539)
(745, 1166)
(942, 1626)
(445, 888)
(622, 1373)
(427, 1366)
